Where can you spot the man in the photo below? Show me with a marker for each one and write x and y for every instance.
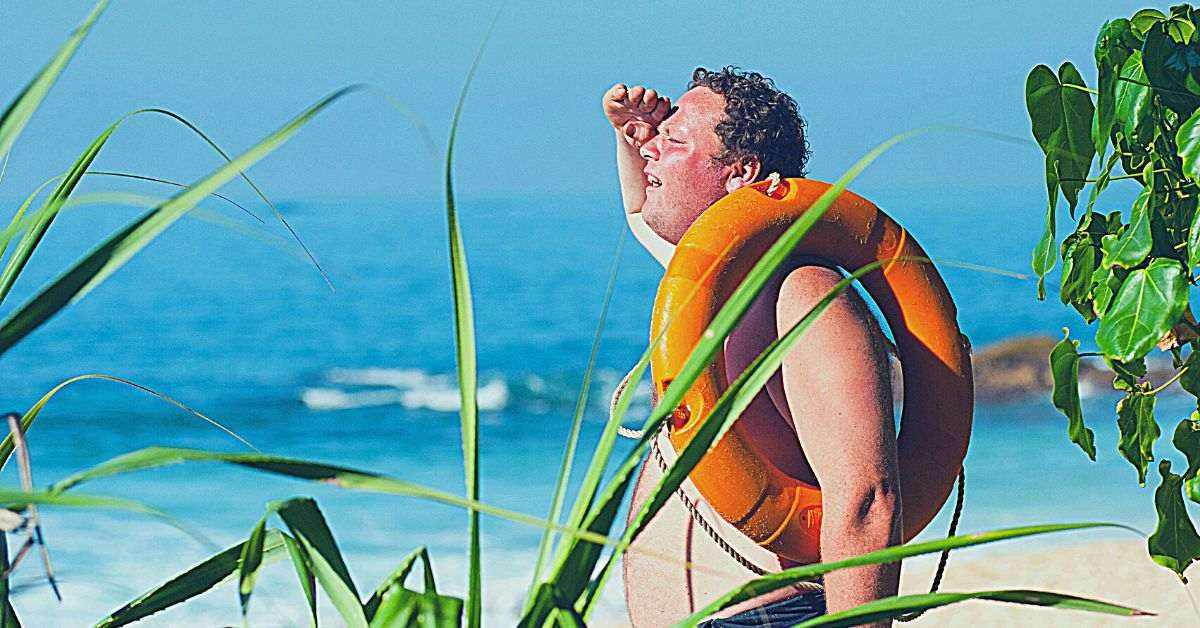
(825, 418)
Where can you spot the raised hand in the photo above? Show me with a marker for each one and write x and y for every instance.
(635, 111)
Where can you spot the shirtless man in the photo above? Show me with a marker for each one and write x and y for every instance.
(825, 418)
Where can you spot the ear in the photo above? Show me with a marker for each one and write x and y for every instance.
(742, 172)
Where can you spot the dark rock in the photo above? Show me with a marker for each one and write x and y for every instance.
(1019, 367)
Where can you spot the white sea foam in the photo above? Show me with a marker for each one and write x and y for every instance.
(348, 388)
(411, 388)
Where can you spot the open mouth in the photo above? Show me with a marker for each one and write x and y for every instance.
(653, 181)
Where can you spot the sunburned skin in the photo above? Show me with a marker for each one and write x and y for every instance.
(825, 418)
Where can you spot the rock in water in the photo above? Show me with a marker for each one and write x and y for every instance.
(1019, 367)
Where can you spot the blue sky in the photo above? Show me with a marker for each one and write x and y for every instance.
(532, 122)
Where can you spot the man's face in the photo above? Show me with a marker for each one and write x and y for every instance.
(683, 176)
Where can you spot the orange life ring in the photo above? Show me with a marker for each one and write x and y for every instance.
(778, 511)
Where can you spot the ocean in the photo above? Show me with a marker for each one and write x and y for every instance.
(234, 323)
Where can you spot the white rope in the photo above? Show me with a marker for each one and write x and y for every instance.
(627, 432)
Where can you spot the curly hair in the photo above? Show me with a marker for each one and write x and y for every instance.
(762, 122)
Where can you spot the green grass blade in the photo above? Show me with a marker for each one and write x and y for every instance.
(97, 266)
(8, 619)
(249, 564)
(21, 109)
(306, 523)
(27, 419)
(142, 177)
(304, 573)
(4, 586)
(189, 584)
(342, 477)
(787, 577)
(17, 500)
(398, 576)
(464, 341)
(19, 223)
(44, 217)
(891, 607)
(564, 471)
(199, 212)
(261, 195)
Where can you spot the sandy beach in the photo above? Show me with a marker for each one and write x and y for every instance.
(1116, 571)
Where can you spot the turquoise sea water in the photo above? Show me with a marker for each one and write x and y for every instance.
(244, 331)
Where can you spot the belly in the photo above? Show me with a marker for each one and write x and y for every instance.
(660, 587)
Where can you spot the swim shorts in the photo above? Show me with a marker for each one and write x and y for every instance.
(780, 614)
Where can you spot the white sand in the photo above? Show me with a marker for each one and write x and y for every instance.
(1117, 571)
(1113, 571)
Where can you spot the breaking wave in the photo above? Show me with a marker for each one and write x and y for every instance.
(414, 389)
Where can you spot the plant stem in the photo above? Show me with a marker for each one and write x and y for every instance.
(1135, 82)
(1167, 384)
(1081, 88)
(1116, 178)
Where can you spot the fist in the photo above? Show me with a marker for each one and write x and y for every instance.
(635, 111)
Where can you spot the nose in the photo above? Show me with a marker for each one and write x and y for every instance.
(649, 150)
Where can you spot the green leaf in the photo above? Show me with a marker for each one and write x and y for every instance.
(189, 584)
(1172, 69)
(1105, 283)
(307, 525)
(897, 606)
(1079, 259)
(775, 581)
(1061, 118)
(114, 252)
(1064, 366)
(303, 567)
(1133, 245)
(1190, 380)
(1113, 46)
(1150, 301)
(1174, 544)
(1128, 374)
(1188, 140)
(1043, 251)
(1139, 431)
(21, 109)
(1103, 180)
(1144, 19)
(1187, 441)
(1132, 98)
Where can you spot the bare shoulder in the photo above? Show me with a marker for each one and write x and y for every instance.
(805, 286)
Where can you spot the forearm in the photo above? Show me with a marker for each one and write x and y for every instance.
(854, 527)
(629, 172)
